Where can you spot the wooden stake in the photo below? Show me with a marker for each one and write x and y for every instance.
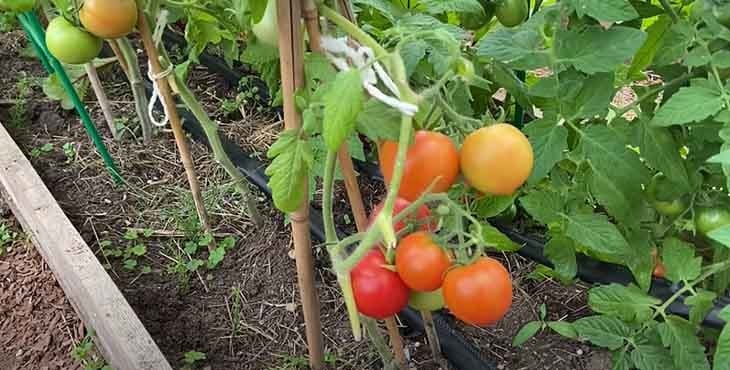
(177, 130)
(292, 76)
(106, 108)
(348, 172)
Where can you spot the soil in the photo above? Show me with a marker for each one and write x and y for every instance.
(38, 325)
(242, 314)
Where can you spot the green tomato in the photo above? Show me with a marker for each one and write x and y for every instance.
(427, 301)
(267, 30)
(17, 6)
(475, 21)
(666, 207)
(722, 14)
(71, 44)
(465, 69)
(511, 12)
(708, 219)
(670, 208)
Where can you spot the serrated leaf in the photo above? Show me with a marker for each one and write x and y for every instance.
(490, 206)
(654, 41)
(721, 359)
(413, 53)
(379, 121)
(386, 8)
(628, 303)
(675, 43)
(591, 99)
(288, 172)
(560, 251)
(687, 351)
(528, 331)
(549, 140)
(597, 233)
(721, 235)
(650, 357)
(138, 250)
(680, 261)
(603, 331)
(216, 257)
(689, 104)
(543, 206)
(318, 69)
(520, 48)
(500, 241)
(660, 150)
(342, 104)
(605, 10)
(594, 49)
(563, 328)
(436, 7)
(621, 361)
(699, 305)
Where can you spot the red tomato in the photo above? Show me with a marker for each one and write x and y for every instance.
(379, 292)
(478, 294)
(420, 217)
(420, 262)
(431, 155)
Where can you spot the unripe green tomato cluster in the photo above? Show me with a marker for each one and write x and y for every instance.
(71, 44)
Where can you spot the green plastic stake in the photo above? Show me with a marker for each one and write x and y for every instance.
(38, 51)
(33, 28)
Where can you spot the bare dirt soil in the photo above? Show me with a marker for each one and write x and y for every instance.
(243, 314)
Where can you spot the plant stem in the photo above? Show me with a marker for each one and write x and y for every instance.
(371, 329)
(135, 81)
(101, 98)
(668, 8)
(396, 342)
(689, 286)
(433, 339)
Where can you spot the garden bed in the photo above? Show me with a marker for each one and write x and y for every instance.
(243, 313)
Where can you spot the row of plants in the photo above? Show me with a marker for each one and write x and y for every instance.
(642, 185)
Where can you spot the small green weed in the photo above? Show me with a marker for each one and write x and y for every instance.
(19, 111)
(85, 354)
(134, 249)
(69, 150)
(41, 150)
(7, 237)
(192, 359)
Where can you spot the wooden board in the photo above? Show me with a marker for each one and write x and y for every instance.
(123, 340)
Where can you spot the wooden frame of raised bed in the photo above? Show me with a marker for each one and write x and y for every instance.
(120, 335)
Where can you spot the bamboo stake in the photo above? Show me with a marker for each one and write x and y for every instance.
(348, 172)
(177, 130)
(101, 98)
(292, 76)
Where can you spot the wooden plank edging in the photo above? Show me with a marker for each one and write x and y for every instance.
(123, 340)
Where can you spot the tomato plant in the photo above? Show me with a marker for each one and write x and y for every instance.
(71, 44)
(496, 159)
(431, 159)
(420, 262)
(421, 218)
(480, 293)
(109, 19)
(511, 12)
(379, 292)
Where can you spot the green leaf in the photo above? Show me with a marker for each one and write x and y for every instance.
(520, 48)
(436, 7)
(563, 328)
(138, 250)
(689, 104)
(318, 69)
(500, 241)
(605, 10)
(129, 264)
(386, 8)
(647, 10)
(721, 235)
(687, 351)
(528, 331)
(721, 59)
(543, 206)
(215, 257)
(621, 361)
(722, 352)
(561, 252)
(594, 49)
(675, 43)
(722, 158)
(194, 264)
(597, 233)
(700, 305)
(628, 303)
(490, 206)
(413, 53)
(661, 151)
(192, 357)
(651, 357)
(288, 172)
(379, 121)
(549, 140)
(680, 261)
(342, 104)
(190, 247)
(603, 331)
(654, 41)
(506, 78)
(697, 57)
(257, 8)
(590, 100)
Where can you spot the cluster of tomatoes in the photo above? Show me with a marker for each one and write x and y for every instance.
(101, 19)
(494, 160)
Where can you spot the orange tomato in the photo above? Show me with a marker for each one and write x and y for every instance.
(109, 19)
(430, 156)
(496, 159)
(480, 293)
(420, 262)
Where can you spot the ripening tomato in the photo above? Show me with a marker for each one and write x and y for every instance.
(496, 159)
(659, 269)
(511, 12)
(109, 19)
(421, 216)
(709, 219)
(379, 292)
(267, 29)
(431, 155)
(427, 301)
(480, 293)
(70, 44)
(420, 262)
